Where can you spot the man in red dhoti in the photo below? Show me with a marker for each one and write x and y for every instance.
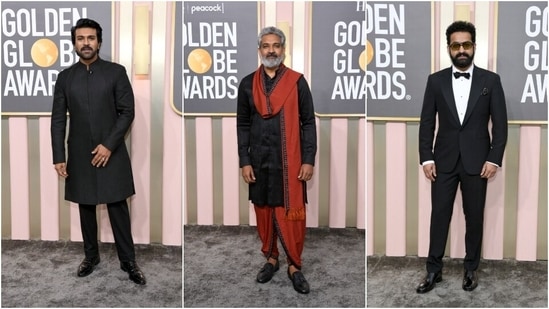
(277, 147)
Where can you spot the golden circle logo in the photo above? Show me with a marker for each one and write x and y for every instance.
(369, 52)
(362, 60)
(199, 61)
(44, 53)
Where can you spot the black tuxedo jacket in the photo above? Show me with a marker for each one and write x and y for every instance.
(470, 140)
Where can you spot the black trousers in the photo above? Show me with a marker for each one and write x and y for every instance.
(119, 216)
(443, 193)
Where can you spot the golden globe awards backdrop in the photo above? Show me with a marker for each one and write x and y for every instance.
(398, 57)
(338, 57)
(36, 46)
(522, 59)
(219, 49)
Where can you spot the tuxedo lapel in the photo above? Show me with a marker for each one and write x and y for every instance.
(474, 94)
(448, 93)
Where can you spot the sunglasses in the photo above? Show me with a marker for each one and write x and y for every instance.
(466, 45)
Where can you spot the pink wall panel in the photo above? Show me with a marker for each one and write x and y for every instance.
(396, 189)
(19, 177)
(231, 172)
(528, 182)
(338, 173)
(492, 243)
(49, 185)
(361, 184)
(141, 156)
(370, 188)
(204, 170)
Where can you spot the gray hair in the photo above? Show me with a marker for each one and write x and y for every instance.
(271, 30)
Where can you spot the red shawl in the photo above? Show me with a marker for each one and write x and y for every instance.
(283, 98)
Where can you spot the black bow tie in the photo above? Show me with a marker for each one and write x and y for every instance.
(458, 74)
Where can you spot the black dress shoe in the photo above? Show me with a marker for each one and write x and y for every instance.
(136, 275)
(428, 282)
(86, 267)
(470, 280)
(298, 280)
(267, 272)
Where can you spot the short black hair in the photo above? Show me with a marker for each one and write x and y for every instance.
(461, 26)
(87, 23)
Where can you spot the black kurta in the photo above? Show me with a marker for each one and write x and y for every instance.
(259, 141)
(100, 103)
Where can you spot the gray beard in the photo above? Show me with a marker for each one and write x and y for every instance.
(272, 63)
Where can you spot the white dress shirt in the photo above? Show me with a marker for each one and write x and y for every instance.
(461, 87)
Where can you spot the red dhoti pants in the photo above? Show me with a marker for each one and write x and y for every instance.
(272, 224)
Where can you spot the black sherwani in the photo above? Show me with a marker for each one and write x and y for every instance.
(100, 103)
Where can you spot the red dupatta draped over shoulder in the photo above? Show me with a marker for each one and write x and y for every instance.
(283, 99)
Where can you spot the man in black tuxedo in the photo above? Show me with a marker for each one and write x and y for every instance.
(465, 98)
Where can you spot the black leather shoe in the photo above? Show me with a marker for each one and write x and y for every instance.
(298, 280)
(267, 272)
(136, 275)
(428, 282)
(86, 267)
(470, 280)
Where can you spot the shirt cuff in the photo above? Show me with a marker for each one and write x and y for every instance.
(427, 162)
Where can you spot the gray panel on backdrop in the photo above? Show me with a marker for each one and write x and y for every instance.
(522, 58)
(399, 58)
(219, 49)
(338, 81)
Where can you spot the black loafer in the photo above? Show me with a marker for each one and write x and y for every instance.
(470, 280)
(136, 275)
(86, 267)
(298, 280)
(428, 282)
(267, 272)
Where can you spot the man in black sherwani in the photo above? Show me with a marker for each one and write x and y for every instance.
(98, 97)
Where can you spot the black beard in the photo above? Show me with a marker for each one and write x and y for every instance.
(462, 63)
(82, 56)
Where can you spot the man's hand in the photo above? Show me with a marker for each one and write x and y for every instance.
(61, 169)
(101, 156)
(306, 172)
(430, 171)
(248, 174)
(488, 170)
